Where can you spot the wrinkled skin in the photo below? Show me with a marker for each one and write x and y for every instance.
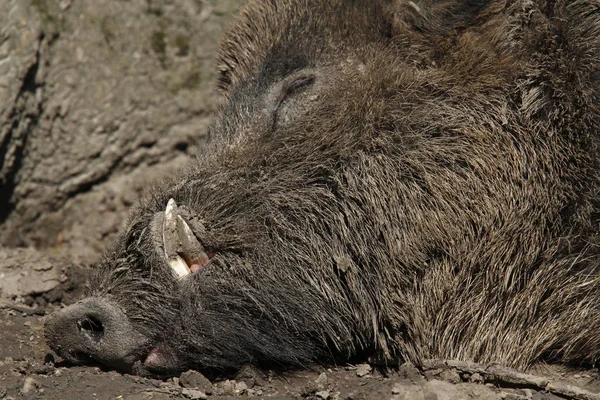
(401, 180)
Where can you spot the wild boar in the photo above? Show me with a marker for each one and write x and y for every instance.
(393, 179)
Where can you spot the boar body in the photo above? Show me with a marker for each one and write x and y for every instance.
(387, 179)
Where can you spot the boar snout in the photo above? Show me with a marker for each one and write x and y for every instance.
(94, 329)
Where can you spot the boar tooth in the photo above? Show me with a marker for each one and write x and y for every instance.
(192, 250)
(171, 242)
(186, 230)
(171, 211)
(179, 266)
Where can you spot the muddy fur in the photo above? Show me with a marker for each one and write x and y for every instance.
(397, 179)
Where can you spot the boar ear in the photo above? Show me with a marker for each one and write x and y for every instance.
(263, 24)
(242, 47)
(404, 16)
(410, 17)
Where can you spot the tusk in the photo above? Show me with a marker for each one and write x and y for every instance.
(191, 249)
(176, 240)
(179, 266)
(171, 242)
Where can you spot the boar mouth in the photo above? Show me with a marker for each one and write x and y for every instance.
(175, 240)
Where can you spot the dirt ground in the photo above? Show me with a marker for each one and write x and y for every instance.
(98, 98)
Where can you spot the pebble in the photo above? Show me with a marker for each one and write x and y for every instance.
(195, 380)
(363, 370)
(193, 394)
(410, 372)
(476, 378)
(251, 376)
(228, 387)
(240, 387)
(64, 4)
(29, 385)
(321, 381)
(432, 374)
(43, 369)
(451, 376)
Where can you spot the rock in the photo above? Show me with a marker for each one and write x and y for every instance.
(20, 92)
(321, 381)
(363, 370)
(43, 369)
(64, 4)
(431, 374)
(509, 396)
(29, 385)
(228, 387)
(195, 380)
(410, 372)
(194, 394)
(240, 387)
(251, 376)
(451, 376)
(80, 109)
(476, 378)
(2, 392)
(324, 394)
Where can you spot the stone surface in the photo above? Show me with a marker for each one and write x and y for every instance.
(195, 380)
(97, 100)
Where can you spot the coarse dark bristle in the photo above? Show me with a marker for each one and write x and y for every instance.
(397, 179)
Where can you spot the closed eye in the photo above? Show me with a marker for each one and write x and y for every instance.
(295, 86)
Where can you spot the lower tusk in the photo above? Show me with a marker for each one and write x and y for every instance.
(182, 250)
(179, 266)
(177, 263)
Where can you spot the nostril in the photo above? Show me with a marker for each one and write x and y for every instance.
(92, 328)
